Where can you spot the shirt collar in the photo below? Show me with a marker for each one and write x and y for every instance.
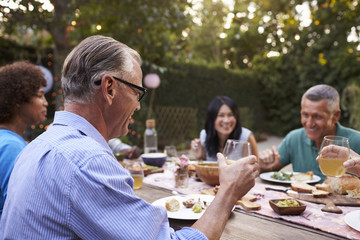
(339, 129)
(81, 124)
(308, 141)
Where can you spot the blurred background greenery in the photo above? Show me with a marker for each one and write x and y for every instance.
(262, 53)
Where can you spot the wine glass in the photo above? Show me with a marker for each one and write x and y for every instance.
(236, 149)
(334, 151)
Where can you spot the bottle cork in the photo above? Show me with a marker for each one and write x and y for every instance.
(150, 123)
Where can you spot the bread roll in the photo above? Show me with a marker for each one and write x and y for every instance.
(172, 205)
(353, 193)
(341, 184)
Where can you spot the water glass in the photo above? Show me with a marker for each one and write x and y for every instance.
(170, 151)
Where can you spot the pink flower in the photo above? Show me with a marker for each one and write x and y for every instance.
(181, 163)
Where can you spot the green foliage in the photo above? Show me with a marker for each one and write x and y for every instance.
(204, 40)
(151, 27)
(191, 85)
(280, 95)
(269, 88)
(350, 103)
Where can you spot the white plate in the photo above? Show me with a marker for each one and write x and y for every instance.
(267, 176)
(353, 219)
(185, 213)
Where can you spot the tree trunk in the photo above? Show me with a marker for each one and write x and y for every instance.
(59, 30)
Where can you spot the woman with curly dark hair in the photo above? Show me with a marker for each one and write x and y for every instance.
(22, 102)
(222, 123)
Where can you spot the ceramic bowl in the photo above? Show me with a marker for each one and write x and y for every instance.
(287, 210)
(154, 159)
(208, 173)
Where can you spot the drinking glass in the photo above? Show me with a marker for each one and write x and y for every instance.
(135, 168)
(170, 151)
(331, 161)
(236, 149)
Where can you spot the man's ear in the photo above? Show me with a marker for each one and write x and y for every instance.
(336, 116)
(108, 88)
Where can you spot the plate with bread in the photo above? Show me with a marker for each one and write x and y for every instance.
(185, 207)
(290, 177)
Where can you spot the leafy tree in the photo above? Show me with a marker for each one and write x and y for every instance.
(152, 27)
(204, 35)
(306, 54)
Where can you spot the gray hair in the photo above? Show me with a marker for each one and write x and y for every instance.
(89, 61)
(324, 92)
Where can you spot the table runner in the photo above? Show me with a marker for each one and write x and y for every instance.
(312, 217)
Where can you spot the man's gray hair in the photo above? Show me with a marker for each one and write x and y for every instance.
(89, 61)
(324, 92)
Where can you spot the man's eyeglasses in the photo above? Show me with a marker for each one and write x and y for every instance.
(142, 89)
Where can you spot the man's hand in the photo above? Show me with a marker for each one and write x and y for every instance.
(239, 177)
(352, 165)
(269, 159)
(235, 181)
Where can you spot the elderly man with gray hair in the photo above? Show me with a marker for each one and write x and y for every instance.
(320, 114)
(67, 184)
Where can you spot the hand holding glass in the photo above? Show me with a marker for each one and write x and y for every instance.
(135, 168)
(334, 151)
(236, 149)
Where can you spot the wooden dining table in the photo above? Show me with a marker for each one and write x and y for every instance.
(243, 224)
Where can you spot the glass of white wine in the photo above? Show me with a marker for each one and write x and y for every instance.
(236, 149)
(135, 168)
(331, 160)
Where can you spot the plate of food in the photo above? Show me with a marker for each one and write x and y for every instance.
(290, 177)
(353, 219)
(186, 207)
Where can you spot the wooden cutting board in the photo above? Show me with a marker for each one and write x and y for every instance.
(339, 200)
(151, 171)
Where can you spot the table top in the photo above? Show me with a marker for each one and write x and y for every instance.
(243, 224)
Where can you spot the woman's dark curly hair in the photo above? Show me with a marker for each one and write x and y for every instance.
(19, 82)
(212, 138)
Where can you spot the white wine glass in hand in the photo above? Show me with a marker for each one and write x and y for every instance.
(334, 151)
(236, 149)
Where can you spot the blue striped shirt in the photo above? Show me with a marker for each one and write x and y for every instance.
(67, 184)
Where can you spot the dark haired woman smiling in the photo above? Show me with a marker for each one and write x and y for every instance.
(222, 123)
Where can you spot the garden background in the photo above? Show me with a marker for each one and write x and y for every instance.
(263, 54)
